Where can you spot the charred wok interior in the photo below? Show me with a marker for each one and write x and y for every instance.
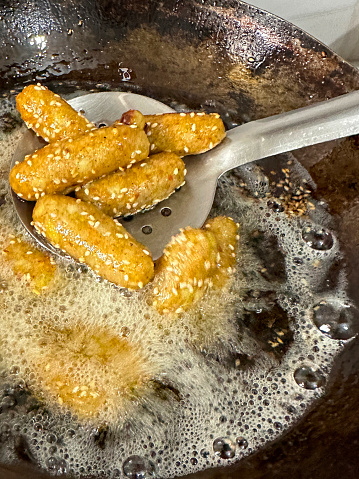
(277, 387)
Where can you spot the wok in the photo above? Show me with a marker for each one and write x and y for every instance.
(224, 56)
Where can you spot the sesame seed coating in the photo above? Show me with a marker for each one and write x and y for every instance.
(184, 133)
(128, 192)
(56, 119)
(61, 166)
(193, 262)
(71, 231)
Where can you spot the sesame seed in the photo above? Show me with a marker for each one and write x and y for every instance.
(154, 125)
(175, 172)
(87, 191)
(185, 149)
(126, 277)
(193, 127)
(140, 284)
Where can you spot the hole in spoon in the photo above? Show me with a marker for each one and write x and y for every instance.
(166, 211)
(102, 124)
(147, 229)
(82, 111)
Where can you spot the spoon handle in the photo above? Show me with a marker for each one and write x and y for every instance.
(324, 121)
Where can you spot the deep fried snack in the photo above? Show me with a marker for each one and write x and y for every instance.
(61, 166)
(184, 133)
(133, 117)
(88, 235)
(184, 272)
(49, 115)
(226, 233)
(145, 184)
(28, 263)
(194, 261)
(94, 372)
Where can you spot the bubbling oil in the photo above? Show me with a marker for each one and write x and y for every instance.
(220, 381)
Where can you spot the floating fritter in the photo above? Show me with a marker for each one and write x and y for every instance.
(35, 267)
(184, 133)
(140, 187)
(49, 115)
(92, 371)
(88, 235)
(61, 166)
(194, 261)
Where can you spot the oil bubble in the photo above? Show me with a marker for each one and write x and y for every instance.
(137, 467)
(317, 237)
(275, 206)
(336, 320)
(309, 378)
(224, 447)
(242, 443)
(51, 438)
(56, 466)
(204, 453)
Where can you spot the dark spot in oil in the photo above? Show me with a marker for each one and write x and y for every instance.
(9, 122)
(271, 328)
(272, 258)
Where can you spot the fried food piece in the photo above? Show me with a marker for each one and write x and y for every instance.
(184, 133)
(133, 117)
(88, 235)
(27, 262)
(61, 166)
(145, 184)
(226, 232)
(49, 115)
(194, 261)
(184, 272)
(92, 371)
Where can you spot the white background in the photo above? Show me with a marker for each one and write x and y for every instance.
(335, 23)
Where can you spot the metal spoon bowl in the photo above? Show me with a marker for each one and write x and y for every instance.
(190, 206)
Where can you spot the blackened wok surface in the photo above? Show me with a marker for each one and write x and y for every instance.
(246, 64)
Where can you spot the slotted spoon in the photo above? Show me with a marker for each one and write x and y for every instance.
(328, 120)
